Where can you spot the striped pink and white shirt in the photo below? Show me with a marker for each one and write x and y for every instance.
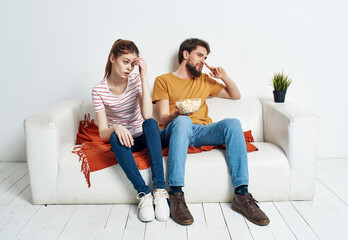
(121, 109)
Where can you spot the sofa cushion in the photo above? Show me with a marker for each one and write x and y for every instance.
(247, 110)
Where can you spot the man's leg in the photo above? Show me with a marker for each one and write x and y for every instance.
(230, 133)
(177, 136)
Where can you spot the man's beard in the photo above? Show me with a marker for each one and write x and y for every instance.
(193, 70)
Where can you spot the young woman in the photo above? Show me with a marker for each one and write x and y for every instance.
(123, 107)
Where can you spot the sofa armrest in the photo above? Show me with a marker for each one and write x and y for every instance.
(48, 134)
(296, 131)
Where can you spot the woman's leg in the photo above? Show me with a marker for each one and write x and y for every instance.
(126, 160)
(154, 148)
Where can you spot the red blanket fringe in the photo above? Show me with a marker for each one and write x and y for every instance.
(84, 166)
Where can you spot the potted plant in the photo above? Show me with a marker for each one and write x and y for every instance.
(280, 83)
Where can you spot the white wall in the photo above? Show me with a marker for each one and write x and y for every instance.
(55, 50)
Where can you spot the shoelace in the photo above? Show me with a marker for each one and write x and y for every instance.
(178, 201)
(252, 201)
(145, 200)
(160, 196)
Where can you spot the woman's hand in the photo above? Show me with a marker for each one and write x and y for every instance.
(124, 136)
(139, 61)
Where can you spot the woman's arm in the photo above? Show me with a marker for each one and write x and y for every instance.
(105, 132)
(145, 98)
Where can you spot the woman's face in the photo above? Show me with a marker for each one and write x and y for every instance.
(123, 65)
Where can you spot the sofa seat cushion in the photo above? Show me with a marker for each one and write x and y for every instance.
(207, 178)
(269, 173)
(109, 185)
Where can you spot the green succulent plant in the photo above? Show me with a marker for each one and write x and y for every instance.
(280, 82)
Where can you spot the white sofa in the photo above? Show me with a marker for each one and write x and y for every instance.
(283, 169)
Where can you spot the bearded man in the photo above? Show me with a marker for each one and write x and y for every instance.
(179, 131)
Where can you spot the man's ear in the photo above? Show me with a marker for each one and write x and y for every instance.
(185, 54)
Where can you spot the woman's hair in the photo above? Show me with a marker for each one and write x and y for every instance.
(120, 47)
(191, 44)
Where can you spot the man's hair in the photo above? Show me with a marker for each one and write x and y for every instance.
(191, 44)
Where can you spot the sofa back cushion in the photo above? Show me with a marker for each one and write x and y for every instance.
(247, 110)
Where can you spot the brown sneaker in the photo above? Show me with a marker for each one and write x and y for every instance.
(178, 209)
(246, 205)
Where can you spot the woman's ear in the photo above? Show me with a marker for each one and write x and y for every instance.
(112, 58)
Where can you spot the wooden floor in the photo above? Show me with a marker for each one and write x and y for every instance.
(324, 218)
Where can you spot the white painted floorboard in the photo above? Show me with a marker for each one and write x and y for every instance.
(326, 217)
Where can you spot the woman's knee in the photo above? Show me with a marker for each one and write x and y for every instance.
(150, 126)
(150, 123)
(114, 139)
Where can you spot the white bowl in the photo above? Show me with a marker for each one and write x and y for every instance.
(188, 105)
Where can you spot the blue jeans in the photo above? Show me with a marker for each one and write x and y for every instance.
(152, 141)
(181, 133)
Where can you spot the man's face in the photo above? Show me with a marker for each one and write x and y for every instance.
(195, 61)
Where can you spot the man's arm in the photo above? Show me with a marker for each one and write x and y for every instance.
(160, 97)
(165, 117)
(231, 90)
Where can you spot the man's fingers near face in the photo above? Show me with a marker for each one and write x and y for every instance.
(206, 64)
(214, 70)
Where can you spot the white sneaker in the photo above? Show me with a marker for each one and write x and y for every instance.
(161, 205)
(145, 207)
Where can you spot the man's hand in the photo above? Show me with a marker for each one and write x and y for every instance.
(216, 72)
(178, 112)
(124, 136)
(231, 90)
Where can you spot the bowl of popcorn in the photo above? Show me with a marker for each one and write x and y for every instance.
(188, 105)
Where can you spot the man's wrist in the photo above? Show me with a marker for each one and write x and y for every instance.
(225, 78)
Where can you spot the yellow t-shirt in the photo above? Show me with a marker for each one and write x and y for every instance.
(170, 87)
